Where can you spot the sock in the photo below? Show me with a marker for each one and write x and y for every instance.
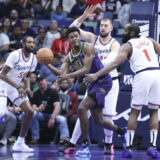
(108, 133)
(130, 136)
(120, 131)
(20, 139)
(153, 137)
(76, 133)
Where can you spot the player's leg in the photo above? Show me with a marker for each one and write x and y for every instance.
(132, 125)
(3, 101)
(108, 146)
(84, 106)
(109, 111)
(70, 147)
(154, 124)
(24, 103)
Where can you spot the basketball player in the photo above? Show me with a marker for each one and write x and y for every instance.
(18, 64)
(83, 59)
(141, 52)
(107, 49)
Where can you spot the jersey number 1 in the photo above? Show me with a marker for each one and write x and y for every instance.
(146, 54)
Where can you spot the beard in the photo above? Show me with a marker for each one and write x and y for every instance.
(29, 49)
(104, 35)
(125, 37)
(64, 89)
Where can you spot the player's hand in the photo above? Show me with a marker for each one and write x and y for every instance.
(90, 78)
(29, 92)
(62, 77)
(21, 91)
(89, 11)
(51, 123)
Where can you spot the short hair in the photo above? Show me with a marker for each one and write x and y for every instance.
(72, 29)
(107, 19)
(25, 38)
(134, 27)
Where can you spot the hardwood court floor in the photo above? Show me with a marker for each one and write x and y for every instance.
(50, 152)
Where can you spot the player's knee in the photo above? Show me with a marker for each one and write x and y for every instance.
(81, 110)
(29, 113)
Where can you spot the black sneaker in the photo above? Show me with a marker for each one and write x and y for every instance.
(68, 148)
(108, 149)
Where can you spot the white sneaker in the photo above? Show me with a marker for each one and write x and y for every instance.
(3, 142)
(22, 147)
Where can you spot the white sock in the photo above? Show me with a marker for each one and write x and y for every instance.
(108, 133)
(130, 136)
(153, 137)
(20, 139)
(77, 130)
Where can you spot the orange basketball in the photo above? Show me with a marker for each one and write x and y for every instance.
(44, 56)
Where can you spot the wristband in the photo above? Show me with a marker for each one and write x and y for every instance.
(76, 23)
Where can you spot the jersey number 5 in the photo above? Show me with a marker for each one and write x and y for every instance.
(146, 54)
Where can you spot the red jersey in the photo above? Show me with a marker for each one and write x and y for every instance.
(60, 46)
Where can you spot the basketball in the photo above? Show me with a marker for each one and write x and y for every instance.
(44, 56)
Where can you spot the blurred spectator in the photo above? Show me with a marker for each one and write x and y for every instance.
(72, 113)
(52, 34)
(77, 9)
(58, 15)
(6, 25)
(113, 6)
(67, 5)
(2, 62)
(26, 30)
(2, 8)
(47, 73)
(33, 82)
(4, 43)
(14, 5)
(16, 38)
(14, 17)
(39, 40)
(61, 45)
(41, 8)
(7, 127)
(95, 2)
(46, 106)
(55, 85)
(98, 13)
(123, 14)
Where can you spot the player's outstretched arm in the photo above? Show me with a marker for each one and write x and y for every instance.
(64, 67)
(125, 50)
(86, 36)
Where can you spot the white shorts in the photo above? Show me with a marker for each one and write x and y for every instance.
(146, 89)
(111, 100)
(7, 90)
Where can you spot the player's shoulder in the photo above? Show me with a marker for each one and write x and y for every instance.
(15, 54)
(115, 42)
(88, 48)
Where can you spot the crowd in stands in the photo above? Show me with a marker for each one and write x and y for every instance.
(47, 21)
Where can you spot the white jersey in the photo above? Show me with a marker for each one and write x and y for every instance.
(104, 53)
(20, 65)
(143, 54)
